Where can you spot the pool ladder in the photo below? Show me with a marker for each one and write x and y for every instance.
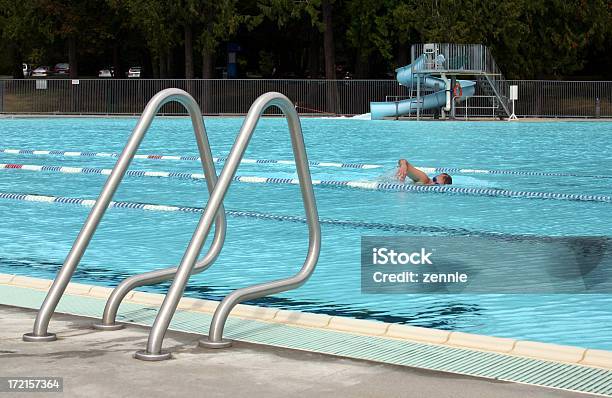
(214, 212)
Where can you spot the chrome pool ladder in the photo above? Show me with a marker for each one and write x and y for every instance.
(214, 212)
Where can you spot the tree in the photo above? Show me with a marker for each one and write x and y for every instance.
(528, 38)
(559, 34)
(370, 31)
(221, 20)
(320, 13)
(187, 13)
(71, 22)
(292, 20)
(153, 20)
(17, 31)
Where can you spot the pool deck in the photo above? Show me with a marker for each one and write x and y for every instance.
(94, 363)
(335, 351)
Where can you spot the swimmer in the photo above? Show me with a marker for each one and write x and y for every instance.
(416, 175)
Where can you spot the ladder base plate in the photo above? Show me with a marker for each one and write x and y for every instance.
(143, 355)
(31, 337)
(102, 326)
(215, 344)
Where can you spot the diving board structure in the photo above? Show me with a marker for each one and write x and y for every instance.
(433, 81)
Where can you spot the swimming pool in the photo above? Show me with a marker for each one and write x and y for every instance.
(35, 237)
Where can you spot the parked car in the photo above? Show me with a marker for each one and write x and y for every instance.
(61, 69)
(107, 72)
(27, 70)
(134, 72)
(41, 71)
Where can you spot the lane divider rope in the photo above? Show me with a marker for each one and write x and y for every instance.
(351, 184)
(236, 213)
(173, 157)
(291, 162)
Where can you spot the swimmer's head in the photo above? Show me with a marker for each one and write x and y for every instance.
(443, 179)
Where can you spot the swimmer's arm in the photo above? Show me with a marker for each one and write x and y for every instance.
(408, 170)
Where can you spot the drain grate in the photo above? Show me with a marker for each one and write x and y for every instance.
(397, 352)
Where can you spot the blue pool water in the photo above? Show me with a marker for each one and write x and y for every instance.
(35, 237)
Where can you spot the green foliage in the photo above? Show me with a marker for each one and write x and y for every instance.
(221, 19)
(285, 12)
(282, 12)
(153, 19)
(16, 19)
(557, 34)
(266, 63)
(528, 38)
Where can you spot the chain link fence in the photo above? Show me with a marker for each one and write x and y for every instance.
(551, 98)
(537, 98)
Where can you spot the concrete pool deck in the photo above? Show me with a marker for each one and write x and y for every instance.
(94, 363)
(492, 358)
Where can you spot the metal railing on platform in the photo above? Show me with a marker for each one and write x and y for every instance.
(454, 58)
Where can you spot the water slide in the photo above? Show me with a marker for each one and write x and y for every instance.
(437, 99)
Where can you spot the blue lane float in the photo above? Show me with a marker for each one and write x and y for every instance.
(353, 224)
(189, 158)
(349, 165)
(239, 213)
(330, 183)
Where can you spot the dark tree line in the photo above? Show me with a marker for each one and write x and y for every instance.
(308, 38)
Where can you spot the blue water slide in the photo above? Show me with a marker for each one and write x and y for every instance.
(437, 99)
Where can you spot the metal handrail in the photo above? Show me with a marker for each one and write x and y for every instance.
(457, 58)
(41, 325)
(153, 351)
(150, 278)
(498, 86)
